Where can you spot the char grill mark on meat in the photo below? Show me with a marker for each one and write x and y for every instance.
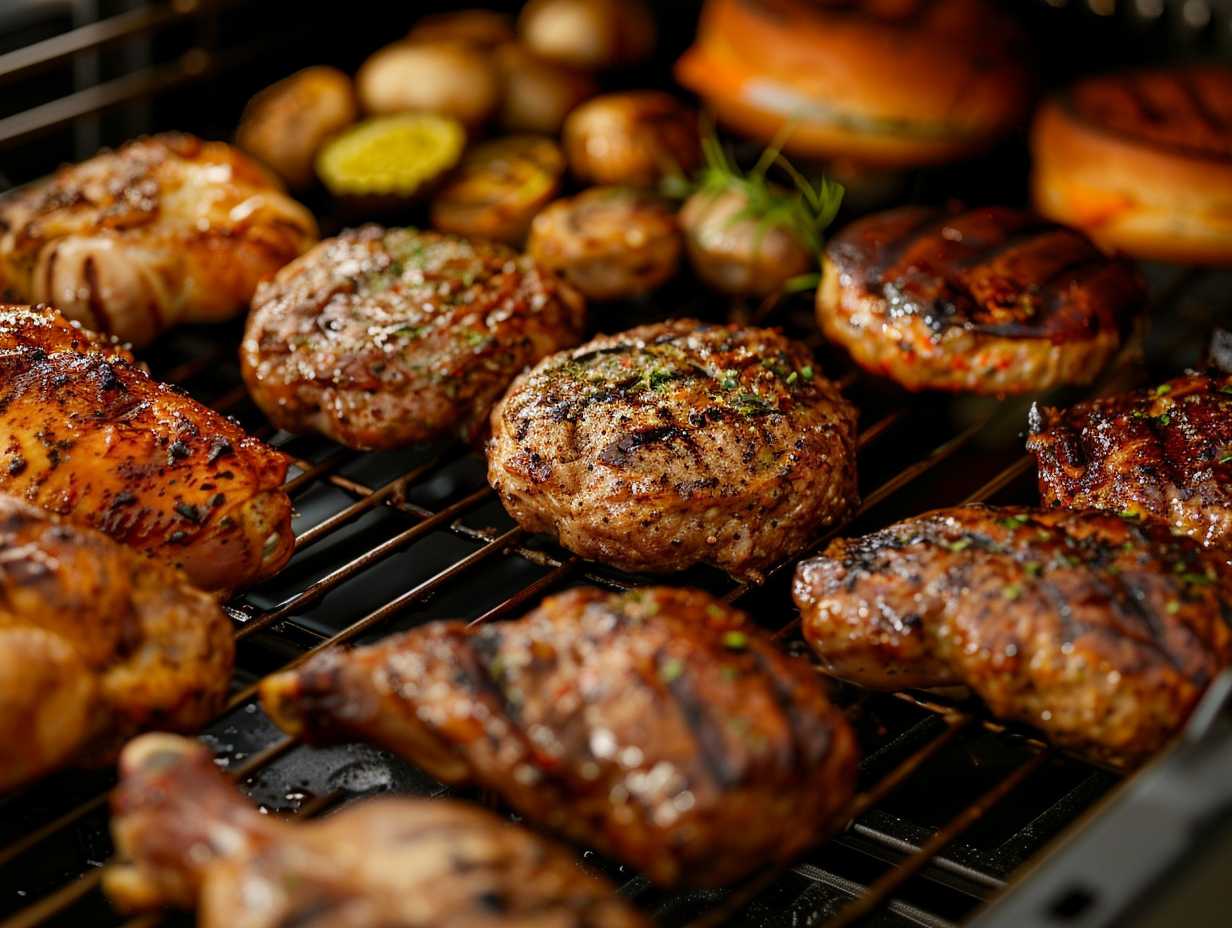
(1164, 452)
(657, 725)
(1102, 631)
(674, 444)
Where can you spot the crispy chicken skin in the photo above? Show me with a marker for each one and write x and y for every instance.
(187, 837)
(1100, 630)
(1163, 452)
(165, 230)
(96, 644)
(87, 434)
(656, 725)
(989, 300)
(382, 338)
(675, 444)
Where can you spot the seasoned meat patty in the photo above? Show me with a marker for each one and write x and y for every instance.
(1100, 630)
(1163, 452)
(164, 230)
(384, 337)
(674, 444)
(989, 300)
(657, 725)
(96, 644)
(187, 837)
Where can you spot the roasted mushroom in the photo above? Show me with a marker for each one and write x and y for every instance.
(539, 94)
(447, 77)
(635, 138)
(589, 33)
(609, 242)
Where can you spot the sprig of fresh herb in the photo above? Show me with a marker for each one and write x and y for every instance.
(806, 209)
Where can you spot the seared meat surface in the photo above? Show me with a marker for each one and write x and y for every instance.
(187, 837)
(1100, 630)
(87, 434)
(675, 444)
(989, 300)
(657, 725)
(380, 338)
(96, 644)
(1164, 452)
(165, 230)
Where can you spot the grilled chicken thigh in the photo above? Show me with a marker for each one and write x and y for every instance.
(1164, 452)
(380, 338)
(187, 837)
(675, 444)
(164, 230)
(87, 434)
(655, 725)
(96, 644)
(1100, 630)
(989, 300)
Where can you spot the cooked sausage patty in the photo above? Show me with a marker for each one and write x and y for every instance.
(1100, 630)
(990, 300)
(380, 338)
(674, 444)
(1163, 452)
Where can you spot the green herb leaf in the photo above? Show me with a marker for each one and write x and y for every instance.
(735, 640)
(1012, 591)
(1163, 389)
(671, 670)
(961, 545)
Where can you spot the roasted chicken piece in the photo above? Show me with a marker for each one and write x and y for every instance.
(384, 337)
(990, 300)
(187, 837)
(1100, 630)
(164, 230)
(657, 725)
(1164, 452)
(87, 434)
(676, 444)
(96, 644)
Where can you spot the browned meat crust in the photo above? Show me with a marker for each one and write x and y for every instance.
(87, 434)
(658, 726)
(164, 230)
(96, 644)
(676, 444)
(381, 338)
(1101, 631)
(990, 300)
(187, 837)
(1164, 452)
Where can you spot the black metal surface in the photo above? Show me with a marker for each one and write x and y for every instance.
(389, 541)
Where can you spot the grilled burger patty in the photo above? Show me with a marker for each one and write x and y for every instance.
(675, 444)
(1100, 630)
(381, 338)
(656, 725)
(990, 300)
(1163, 452)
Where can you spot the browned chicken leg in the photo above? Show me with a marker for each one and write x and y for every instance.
(96, 644)
(87, 434)
(188, 837)
(1100, 630)
(657, 725)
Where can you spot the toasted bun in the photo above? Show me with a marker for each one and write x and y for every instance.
(1141, 162)
(886, 82)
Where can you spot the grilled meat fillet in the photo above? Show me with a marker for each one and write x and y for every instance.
(1163, 452)
(380, 338)
(87, 434)
(989, 300)
(164, 230)
(675, 444)
(656, 725)
(186, 836)
(96, 644)
(1100, 630)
